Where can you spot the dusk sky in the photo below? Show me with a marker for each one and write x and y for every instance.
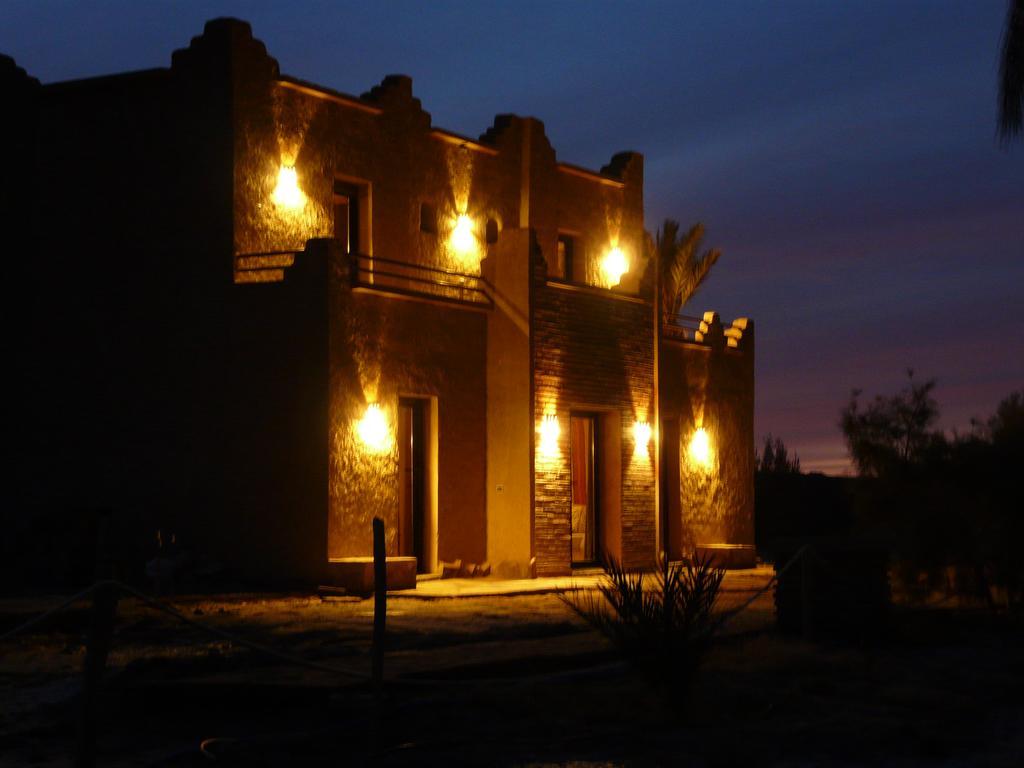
(842, 155)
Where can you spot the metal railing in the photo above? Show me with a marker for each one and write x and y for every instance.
(681, 328)
(266, 267)
(404, 278)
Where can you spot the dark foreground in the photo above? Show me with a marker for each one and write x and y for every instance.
(510, 681)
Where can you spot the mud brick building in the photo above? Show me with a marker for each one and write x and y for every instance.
(258, 313)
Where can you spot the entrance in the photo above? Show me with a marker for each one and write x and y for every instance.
(584, 494)
(346, 216)
(671, 512)
(413, 526)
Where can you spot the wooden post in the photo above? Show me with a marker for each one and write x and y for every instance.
(101, 635)
(805, 594)
(380, 601)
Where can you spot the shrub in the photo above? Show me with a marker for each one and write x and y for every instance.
(665, 630)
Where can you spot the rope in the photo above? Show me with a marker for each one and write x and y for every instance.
(47, 614)
(281, 655)
(730, 614)
(158, 605)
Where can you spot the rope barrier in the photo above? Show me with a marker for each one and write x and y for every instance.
(298, 660)
(163, 607)
(730, 614)
(281, 655)
(46, 614)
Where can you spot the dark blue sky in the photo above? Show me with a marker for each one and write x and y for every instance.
(842, 155)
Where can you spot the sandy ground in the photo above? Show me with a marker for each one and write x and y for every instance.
(509, 680)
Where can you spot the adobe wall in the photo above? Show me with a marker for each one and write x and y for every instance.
(382, 348)
(709, 385)
(269, 523)
(509, 421)
(124, 215)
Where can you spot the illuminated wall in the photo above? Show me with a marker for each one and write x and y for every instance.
(707, 407)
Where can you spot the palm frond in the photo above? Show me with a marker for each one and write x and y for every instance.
(682, 270)
(1011, 74)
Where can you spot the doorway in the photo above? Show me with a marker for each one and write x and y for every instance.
(413, 523)
(585, 506)
(347, 215)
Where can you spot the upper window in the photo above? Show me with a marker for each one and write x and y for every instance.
(428, 218)
(567, 256)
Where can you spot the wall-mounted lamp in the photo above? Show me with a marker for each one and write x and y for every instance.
(613, 266)
(463, 239)
(641, 436)
(549, 432)
(700, 448)
(287, 193)
(373, 429)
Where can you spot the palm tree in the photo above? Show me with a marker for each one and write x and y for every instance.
(1011, 74)
(682, 271)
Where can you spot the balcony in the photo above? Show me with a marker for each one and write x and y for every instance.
(685, 328)
(378, 274)
(402, 278)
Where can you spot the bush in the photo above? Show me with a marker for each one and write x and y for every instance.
(666, 630)
(951, 506)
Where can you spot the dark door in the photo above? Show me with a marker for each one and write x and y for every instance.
(671, 515)
(583, 494)
(412, 480)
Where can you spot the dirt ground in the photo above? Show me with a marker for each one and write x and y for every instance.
(517, 680)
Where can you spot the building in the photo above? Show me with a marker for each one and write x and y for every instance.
(258, 313)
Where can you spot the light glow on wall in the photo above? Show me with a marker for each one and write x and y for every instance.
(549, 431)
(462, 238)
(613, 266)
(700, 448)
(641, 436)
(287, 193)
(373, 429)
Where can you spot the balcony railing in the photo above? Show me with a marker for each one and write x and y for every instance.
(267, 267)
(401, 277)
(378, 274)
(682, 328)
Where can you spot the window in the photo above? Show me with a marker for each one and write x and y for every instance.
(567, 259)
(428, 218)
(491, 232)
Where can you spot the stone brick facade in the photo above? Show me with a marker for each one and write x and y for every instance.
(593, 352)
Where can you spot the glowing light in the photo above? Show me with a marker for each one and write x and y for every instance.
(287, 193)
(549, 432)
(700, 448)
(463, 240)
(614, 266)
(373, 429)
(641, 436)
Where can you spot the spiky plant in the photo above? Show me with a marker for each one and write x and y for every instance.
(666, 629)
(682, 269)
